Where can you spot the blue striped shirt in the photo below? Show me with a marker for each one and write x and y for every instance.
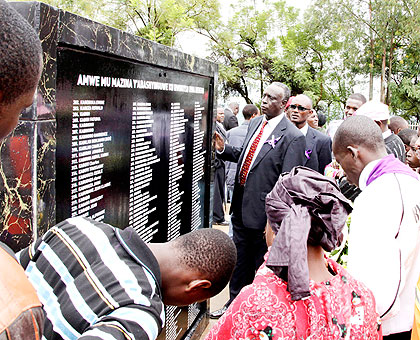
(95, 282)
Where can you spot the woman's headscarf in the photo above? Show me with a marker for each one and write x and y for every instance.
(304, 206)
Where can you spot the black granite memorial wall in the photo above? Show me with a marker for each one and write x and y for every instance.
(120, 131)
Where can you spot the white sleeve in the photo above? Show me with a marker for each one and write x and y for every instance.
(374, 253)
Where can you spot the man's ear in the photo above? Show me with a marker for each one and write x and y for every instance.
(198, 284)
(353, 151)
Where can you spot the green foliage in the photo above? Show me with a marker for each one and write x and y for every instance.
(157, 20)
(322, 51)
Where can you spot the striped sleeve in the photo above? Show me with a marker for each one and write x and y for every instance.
(125, 323)
(90, 286)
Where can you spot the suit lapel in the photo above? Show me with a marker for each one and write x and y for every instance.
(310, 139)
(310, 144)
(277, 133)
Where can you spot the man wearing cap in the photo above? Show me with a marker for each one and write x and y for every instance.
(379, 112)
(384, 240)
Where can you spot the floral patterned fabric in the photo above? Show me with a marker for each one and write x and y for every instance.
(341, 308)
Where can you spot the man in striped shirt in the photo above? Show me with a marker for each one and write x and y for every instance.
(99, 282)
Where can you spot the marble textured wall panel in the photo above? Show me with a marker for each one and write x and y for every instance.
(45, 216)
(16, 196)
(27, 206)
(85, 33)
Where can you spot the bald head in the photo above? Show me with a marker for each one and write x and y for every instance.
(359, 130)
(300, 110)
(397, 124)
(357, 142)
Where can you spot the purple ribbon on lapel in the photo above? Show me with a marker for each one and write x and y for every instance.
(308, 153)
(273, 141)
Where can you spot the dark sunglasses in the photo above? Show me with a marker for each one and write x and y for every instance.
(300, 108)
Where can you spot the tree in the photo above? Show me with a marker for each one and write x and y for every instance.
(156, 20)
(247, 47)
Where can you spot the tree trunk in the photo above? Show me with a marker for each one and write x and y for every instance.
(388, 83)
(372, 54)
(383, 74)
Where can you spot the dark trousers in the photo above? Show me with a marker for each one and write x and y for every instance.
(398, 336)
(219, 194)
(251, 248)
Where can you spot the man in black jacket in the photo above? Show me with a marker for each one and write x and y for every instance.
(231, 120)
(318, 146)
(273, 145)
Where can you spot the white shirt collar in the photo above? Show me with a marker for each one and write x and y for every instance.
(364, 175)
(274, 121)
(386, 134)
(304, 129)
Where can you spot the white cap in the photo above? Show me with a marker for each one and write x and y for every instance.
(374, 110)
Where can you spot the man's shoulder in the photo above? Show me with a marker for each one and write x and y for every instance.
(389, 185)
(291, 129)
(239, 130)
(393, 139)
(318, 134)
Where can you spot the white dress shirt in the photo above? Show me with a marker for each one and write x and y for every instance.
(267, 133)
(304, 129)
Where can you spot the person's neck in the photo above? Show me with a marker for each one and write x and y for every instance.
(165, 255)
(271, 117)
(368, 157)
(300, 125)
(318, 270)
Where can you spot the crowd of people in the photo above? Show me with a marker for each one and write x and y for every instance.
(367, 157)
(291, 188)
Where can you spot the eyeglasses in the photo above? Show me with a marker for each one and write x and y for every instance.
(300, 108)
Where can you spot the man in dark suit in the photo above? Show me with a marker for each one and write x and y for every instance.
(318, 146)
(236, 137)
(230, 120)
(219, 175)
(272, 145)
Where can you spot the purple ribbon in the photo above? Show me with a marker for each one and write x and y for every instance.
(273, 141)
(389, 165)
(308, 153)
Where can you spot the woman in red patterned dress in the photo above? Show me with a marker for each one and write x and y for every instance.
(298, 293)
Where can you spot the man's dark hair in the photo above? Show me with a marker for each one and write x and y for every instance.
(407, 135)
(286, 90)
(397, 122)
(210, 252)
(249, 110)
(358, 96)
(322, 119)
(20, 54)
(359, 130)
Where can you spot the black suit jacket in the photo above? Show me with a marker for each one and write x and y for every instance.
(230, 120)
(318, 150)
(248, 202)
